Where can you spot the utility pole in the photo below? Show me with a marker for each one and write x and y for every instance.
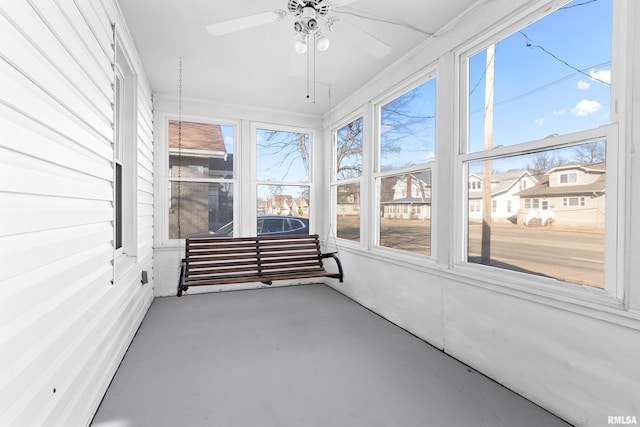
(485, 257)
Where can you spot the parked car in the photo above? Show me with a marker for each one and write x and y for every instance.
(272, 225)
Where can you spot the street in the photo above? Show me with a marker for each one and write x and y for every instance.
(575, 256)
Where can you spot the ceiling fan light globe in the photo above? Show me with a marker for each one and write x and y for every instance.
(300, 46)
(312, 24)
(323, 43)
(297, 27)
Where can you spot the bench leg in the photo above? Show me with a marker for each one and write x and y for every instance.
(181, 286)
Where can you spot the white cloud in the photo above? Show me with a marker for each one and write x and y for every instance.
(539, 122)
(559, 113)
(582, 85)
(602, 75)
(586, 107)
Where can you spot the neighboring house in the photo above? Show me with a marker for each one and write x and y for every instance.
(197, 150)
(284, 204)
(348, 202)
(571, 195)
(504, 189)
(411, 198)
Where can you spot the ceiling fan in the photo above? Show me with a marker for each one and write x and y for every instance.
(307, 17)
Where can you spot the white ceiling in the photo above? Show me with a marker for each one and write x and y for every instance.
(258, 67)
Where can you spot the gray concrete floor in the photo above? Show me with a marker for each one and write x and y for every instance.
(296, 356)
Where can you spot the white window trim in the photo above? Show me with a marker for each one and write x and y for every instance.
(335, 182)
(613, 295)
(125, 153)
(429, 73)
(612, 271)
(248, 219)
(164, 151)
(568, 174)
(581, 201)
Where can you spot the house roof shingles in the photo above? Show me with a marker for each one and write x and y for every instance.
(196, 136)
(503, 182)
(542, 188)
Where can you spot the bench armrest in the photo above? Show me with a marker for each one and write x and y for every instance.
(338, 263)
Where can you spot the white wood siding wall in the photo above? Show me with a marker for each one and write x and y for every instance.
(63, 326)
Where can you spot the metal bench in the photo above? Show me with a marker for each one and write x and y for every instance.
(228, 260)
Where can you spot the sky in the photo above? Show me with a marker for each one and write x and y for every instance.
(538, 91)
(278, 158)
(407, 132)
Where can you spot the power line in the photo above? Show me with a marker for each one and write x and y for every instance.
(538, 89)
(484, 72)
(535, 46)
(577, 5)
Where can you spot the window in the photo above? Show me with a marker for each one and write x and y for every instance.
(119, 96)
(568, 178)
(552, 120)
(535, 203)
(346, 182)
(201, 178)
(405, 152)
(125, 148)
(574, 201)
(282, 174)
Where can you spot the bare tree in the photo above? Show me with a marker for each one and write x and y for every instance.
(591, 152)
(399, 119)
(543, 162)
(349, 150)
(287, 147)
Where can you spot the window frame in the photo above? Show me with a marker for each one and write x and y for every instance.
(377, 175)
(168, 179)
(567, 175)
(125, 163)
(336, 182)
(581, 202)
(613, 293)
(252, 206)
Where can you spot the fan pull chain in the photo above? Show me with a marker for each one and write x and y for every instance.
(308, 67)
(314, 67)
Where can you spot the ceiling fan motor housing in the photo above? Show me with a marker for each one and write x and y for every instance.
(302, 8)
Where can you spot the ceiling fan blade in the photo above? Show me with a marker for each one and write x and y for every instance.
(370, 43)
(245, 22)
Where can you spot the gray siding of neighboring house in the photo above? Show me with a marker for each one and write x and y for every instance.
(63, 325)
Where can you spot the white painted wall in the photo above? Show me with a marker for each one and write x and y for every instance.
(576, 356)
(64, 326)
